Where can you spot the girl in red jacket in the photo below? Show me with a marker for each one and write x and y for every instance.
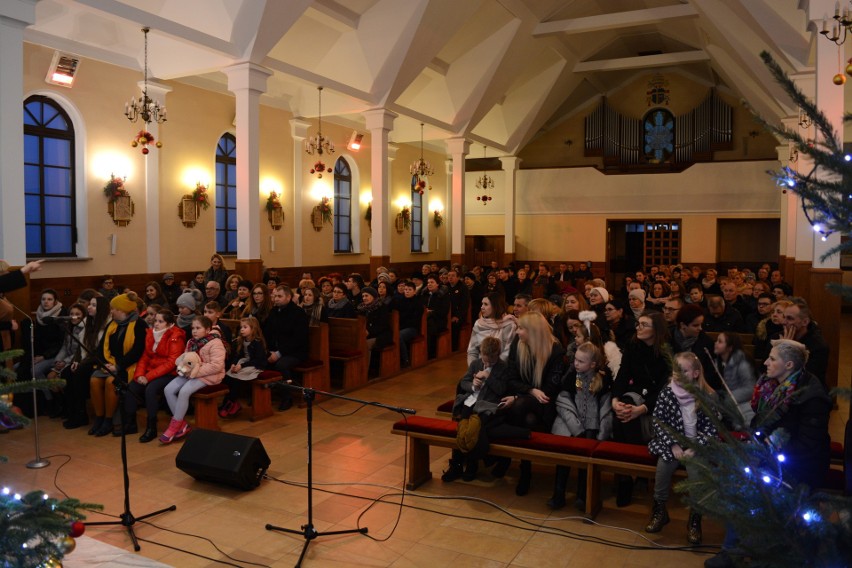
(164, 342)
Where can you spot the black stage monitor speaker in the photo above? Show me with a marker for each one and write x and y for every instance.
(220, 457)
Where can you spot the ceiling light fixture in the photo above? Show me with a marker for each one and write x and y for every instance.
(145, 107)
(421, 168)
(486, 182)
(319, 144)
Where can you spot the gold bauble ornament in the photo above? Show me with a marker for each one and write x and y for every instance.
(159, 144)
(839, 79)
(134, 143)
(52, 562)
(849, 68)
(67, 544)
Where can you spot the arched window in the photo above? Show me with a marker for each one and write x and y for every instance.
(49, 174)
(226, 195)
(342, 206)
(416, 220)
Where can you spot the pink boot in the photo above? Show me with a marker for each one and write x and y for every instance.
(172, 430)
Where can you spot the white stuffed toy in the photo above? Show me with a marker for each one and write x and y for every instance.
(188, 364)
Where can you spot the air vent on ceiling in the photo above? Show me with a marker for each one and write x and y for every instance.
(651, 52)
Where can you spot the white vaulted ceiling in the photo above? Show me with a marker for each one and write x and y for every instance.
(497, 72)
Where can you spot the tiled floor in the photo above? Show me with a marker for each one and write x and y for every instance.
(356, 460)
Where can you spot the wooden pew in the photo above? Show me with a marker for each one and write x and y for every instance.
(389, 355)
(347, 342)
(315, 369)
(417, 350)
(444, 339)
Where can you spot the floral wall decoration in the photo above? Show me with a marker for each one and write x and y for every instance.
(120, 207)
(275, 211)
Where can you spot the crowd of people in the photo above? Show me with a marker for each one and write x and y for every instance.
(550, 351)
(566, 354)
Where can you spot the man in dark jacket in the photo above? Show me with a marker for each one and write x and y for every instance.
(798, 326)
(719, 317)
(286, 334)
(437, 309)
(171, 290)
(410, 308)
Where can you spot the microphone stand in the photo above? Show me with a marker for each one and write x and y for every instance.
(307, 530)
(120, 385)
(38, 462)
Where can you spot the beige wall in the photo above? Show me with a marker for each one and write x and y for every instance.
(561, 212)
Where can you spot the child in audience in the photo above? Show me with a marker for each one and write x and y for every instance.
(211, 371)
(677, 408)
(248, 360)
(583, 410)
(214, 312)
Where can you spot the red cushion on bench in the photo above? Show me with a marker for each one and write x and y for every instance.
(555, 443)
(618, 451)
(423, 425)
(446, 406)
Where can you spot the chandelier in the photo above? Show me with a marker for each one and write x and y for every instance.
(319, 144)
(145, 107)
(840, 27)
(420, 169)
(486, 182)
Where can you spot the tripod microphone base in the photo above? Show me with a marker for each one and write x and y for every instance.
(38, 464)
(309, 532)
(128, 520)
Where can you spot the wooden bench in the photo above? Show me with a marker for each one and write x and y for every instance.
(389, 355)
(418, 352)
(444, 339)
(315, 371)
(347, 342)
(207, 402)
(548, 449)
(261, 394)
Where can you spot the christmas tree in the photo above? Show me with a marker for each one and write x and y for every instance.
(741, 479)
(35, 529)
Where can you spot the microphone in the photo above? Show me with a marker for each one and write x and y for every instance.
(57, 319)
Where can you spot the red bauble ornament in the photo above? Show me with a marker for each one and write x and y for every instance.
(313, 171)
(145, 150)
(77, 529)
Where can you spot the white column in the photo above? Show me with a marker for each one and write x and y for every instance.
(393, 149)
(380, 123)
(510, 169)
(15, 15)
(248, 81)
(158, 92)
(457, 148)
(299, 131)
(829, 99)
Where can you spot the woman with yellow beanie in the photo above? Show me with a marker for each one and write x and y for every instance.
(121, 347)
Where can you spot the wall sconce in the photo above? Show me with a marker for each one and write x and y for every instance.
(355, 141)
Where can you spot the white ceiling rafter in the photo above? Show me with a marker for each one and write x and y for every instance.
(642, 61)
(616, 21)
